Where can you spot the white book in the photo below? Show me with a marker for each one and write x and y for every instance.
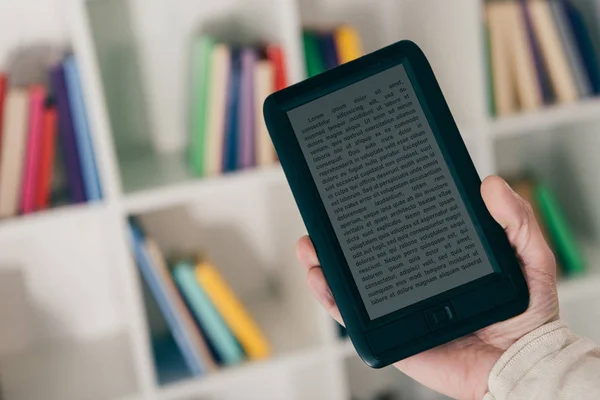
(12, 159)
(217, 105)
(264, 79)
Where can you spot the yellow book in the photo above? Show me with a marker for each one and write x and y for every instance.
(236, 317)
(347, 43)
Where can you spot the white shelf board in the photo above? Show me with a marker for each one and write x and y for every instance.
(181, 193)
(98, 369)
(48, 217)
(546, 118)
(204, 385)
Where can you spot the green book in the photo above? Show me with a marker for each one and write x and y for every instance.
(201, 60)
(206, 314)
(567, 250)
(314, 60)
(490, 72)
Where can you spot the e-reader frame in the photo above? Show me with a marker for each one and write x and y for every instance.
(440, 318)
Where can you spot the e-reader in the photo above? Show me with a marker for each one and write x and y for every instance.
(391, 200)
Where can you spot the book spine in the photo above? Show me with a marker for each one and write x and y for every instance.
(328, 50)
(3, 88)
(167, 308)
(201, 80)
(37, 96)
(584, 86)
(67, 134)
(277, 57)
(263, 86)
(312, 54)
(206, 314)
(246, 123)
(220, 69)
(85, 148)
(50, 121)
(348, 44)
(542, 72)
(13, 151)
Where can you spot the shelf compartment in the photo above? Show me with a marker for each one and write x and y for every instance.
(143, 49)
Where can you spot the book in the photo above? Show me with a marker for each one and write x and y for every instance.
(567, 250)
(543, 77)
(552, 51)
(576, 64)
(528, 91)
(312, 54)
(85, 148)
(207, 316)
(348, 44)
(201, 80)
(3, 88)
(232, 123)
(217, 100)
(263, 86)
(14, 138)
(504, 91)
(37, 97)
(155, 274)
(67, 136)
(490, 72)
(276, 55)
(234, 314)
(328, 50)
(47, 156)
(246, 114)
(583, 32)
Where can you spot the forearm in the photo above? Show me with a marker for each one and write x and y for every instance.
(548, 363)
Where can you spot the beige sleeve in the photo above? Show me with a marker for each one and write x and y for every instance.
(550, 363)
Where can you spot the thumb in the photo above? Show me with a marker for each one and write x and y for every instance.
(517, 218)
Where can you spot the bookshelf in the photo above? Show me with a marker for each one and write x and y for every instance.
(88, 311)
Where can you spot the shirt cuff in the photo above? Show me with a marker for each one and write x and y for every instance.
(518, 360)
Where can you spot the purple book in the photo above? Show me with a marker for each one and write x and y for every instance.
(542, 73)
(67, 135)
(246, 110)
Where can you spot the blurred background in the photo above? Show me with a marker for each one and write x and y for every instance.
(147, 232)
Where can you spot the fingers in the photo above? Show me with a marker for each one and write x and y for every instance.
(320, 289)
(315, 279)
(305, 251)
(517, 219)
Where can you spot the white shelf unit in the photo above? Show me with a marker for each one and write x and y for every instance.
(89, 320)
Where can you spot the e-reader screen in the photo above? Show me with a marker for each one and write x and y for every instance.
(401, 222)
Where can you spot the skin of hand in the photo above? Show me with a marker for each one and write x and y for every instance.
(460, 369)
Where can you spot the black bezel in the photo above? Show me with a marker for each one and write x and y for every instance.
(317, 221)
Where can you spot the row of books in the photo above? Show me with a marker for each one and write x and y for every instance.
(540, 52)
(553, 223)
(32, 119)
(229, 86)
(326, 49)
(209, 324)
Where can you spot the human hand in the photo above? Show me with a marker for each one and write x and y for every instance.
(460, 369)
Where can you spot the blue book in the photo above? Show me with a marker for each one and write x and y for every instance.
(207, 315)
(328, 49)
(584, 43)
(165, 303)
(231, 142)
(85, 148)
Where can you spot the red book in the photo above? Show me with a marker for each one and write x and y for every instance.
(276, 56)
(3, 85)
(47, 151)
(37, 96)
